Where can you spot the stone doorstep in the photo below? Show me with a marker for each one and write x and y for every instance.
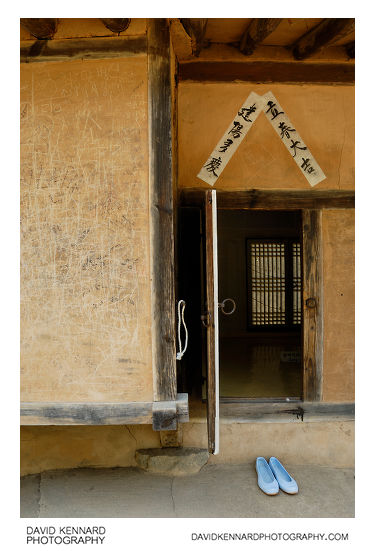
(172, 461)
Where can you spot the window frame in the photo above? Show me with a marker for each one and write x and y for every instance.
(289, 326)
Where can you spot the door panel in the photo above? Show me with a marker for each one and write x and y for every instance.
(212, 323)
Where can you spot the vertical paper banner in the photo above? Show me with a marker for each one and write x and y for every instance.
(292, 140)
(232, 138)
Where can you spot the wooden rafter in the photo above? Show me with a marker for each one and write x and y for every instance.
(116, 25)
(256, 32)
(196, 29)
(350, 49)
(327, 32)
(40, 28)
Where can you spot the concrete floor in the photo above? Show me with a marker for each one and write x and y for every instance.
(217, 491)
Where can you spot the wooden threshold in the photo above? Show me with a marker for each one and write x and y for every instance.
(106, 413)
(273, 199)
(245, 411)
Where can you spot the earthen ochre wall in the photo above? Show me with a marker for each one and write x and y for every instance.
(85, 296)
(339, 313)
(323, 116)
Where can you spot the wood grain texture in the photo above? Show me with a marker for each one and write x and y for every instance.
(40, 28)
(312, 303)
(116, 25)
(326, 32)
(44, 413)
(83, 48)
(272, 199)
(256, 32)
(164, 415)
(161, 210)
(267, 71)
(211, 375)
(85, 295)
(105, 413)
(293, 412)
(196, 29)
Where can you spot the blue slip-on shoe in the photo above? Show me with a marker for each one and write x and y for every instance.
(266, 480)
(286, 482)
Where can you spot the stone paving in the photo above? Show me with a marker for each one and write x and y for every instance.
(217, 491)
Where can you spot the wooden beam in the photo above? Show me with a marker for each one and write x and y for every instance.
(44, 413)
(82, 48)
(327, 32)
(196, 29)
(350, 49)
(312, 304)
(245, 411)
(164, 415)
(256, 32)
(161, 211)
(267, 71)
(106, 413)
(272, 199)
(40, 28)
(116, 25)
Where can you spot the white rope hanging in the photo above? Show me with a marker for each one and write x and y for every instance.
(180, 313)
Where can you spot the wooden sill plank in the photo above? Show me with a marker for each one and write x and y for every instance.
(104, 413)
(244, 412)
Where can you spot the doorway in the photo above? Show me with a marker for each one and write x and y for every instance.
(259, 266)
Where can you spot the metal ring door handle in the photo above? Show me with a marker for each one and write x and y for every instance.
(222, 306)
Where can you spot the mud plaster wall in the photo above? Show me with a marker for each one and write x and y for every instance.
(85, 296)
(323, 116)
(339, 313)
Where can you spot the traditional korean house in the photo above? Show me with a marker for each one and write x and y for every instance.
(209, 161)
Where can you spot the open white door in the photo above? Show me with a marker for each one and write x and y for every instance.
(212, 322)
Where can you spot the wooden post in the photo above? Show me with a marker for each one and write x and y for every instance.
(161, 211)
(312, 305)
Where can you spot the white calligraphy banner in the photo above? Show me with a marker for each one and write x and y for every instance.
(240, 126)
(232, 138)
(292, 140)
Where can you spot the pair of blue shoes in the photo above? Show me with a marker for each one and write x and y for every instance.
(272, 476)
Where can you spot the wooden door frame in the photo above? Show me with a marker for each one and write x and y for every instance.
(310, 203)
(212, 323)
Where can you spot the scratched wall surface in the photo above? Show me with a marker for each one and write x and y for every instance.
(322, 115)
(85, 297)
(339, 312)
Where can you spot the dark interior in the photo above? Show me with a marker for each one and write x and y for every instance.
(260, 343)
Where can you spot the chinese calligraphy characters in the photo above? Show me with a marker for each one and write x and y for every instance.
(232, 138)
(292, 140)
(240, 125)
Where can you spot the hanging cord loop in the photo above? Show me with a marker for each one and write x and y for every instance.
(180, 313)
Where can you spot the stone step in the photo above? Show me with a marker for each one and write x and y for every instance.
(172, 461)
